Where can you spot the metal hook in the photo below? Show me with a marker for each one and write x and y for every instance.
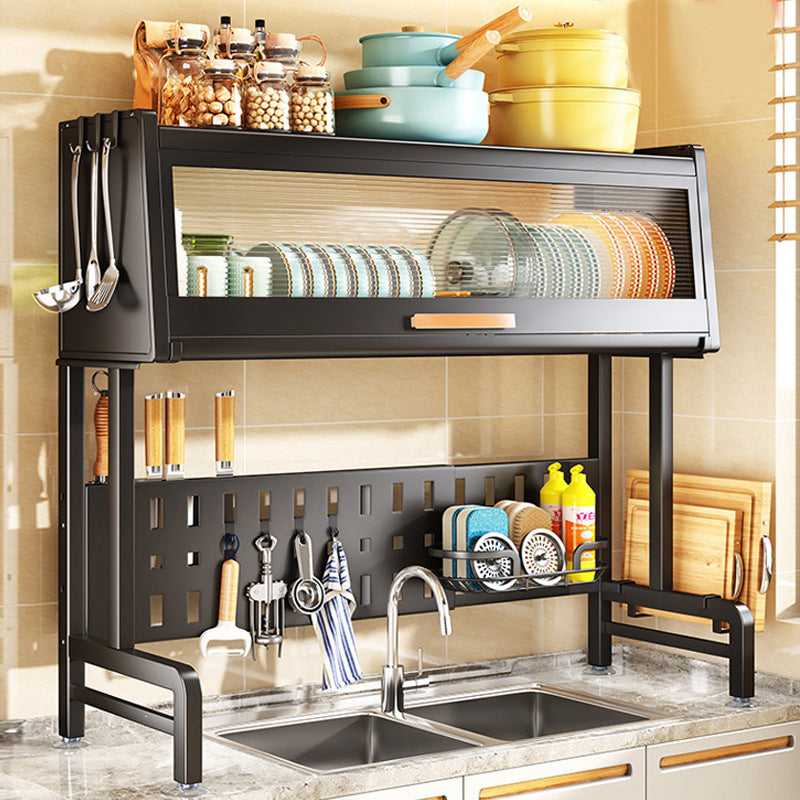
(101, 392)
(231, 538)
(265, 542)
(334, 532)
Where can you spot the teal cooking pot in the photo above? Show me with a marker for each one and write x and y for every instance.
(411, 76)
(415, 113)
(408, 48)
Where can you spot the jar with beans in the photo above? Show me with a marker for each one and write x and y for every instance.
(311, 103)
(219, 95)
(266, 99)
(180, 69)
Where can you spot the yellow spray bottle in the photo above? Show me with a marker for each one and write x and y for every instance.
(578, 503)
(550, 498)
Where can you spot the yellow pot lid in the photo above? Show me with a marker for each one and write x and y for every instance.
(569, 94)
(560, 36)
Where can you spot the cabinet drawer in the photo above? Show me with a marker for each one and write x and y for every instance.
(449, 789)
(609, 776)
(736, 766)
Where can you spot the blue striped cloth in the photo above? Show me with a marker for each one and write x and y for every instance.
(333, 625)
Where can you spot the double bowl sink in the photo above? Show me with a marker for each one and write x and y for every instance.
(341, 741)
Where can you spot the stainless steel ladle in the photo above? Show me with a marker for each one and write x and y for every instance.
(64, 296)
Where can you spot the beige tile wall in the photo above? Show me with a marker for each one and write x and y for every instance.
(299, 415)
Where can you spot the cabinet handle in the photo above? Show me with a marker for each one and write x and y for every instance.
(452, 321)
(553, 781)
(718, 753)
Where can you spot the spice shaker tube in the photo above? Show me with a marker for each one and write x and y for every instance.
(224, 427)
(311, 104)
(266, 98)
(154, 435)
(180, 69)
(175, 434)
(219, 95)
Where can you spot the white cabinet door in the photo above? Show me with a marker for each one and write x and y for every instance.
(760, 762)
(607, 776)
(449, 789)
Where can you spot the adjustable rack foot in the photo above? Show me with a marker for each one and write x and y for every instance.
(599, 672)
(741, 703)
(70, 743)
(184, 725)
(739, 650)
(186, 790)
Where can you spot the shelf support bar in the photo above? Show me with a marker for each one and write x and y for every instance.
(600, 444)
(121, 556)
(661, 472)
(72, 543)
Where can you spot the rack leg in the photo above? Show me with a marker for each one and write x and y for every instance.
(661, 472)
(72, 546)
(600, 443)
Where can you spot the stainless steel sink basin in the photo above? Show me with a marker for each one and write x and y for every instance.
(334, 743)
(525, 714)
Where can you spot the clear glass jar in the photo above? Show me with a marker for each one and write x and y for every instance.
(311, 103)
(219, 95)
(237, 45)
(266, 98)
(285, 49)
(180, 69)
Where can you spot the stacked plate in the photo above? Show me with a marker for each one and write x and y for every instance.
(577, 255)
(346, 270)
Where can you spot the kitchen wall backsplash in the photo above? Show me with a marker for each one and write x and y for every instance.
(63, 61)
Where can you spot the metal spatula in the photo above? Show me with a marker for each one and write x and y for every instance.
(64, 296)
(102, 295)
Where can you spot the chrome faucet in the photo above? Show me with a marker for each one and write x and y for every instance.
(392, 674)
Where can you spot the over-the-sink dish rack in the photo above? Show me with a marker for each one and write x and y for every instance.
(238, 245)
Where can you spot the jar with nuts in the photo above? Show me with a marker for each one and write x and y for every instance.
(219, 95)
(266, 99)
(180, 69)
(311, 103)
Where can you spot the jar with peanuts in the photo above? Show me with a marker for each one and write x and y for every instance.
(266, 99)
(311, 103)
(180, 69)
(219, 95)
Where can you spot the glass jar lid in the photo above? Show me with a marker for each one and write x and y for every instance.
(311, 72)
(269, 69)
(220, 66)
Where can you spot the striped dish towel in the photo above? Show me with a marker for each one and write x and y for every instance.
(333, 625)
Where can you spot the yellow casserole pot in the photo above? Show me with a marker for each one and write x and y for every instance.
(566, 118)
(563, 56)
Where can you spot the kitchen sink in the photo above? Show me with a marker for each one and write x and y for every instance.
(334, 743)
(524, 714)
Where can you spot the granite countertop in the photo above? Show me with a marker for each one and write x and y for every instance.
(126, 761)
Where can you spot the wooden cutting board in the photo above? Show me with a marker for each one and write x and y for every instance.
(705, 541)
(752, 499)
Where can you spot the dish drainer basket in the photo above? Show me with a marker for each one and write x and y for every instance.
(521, 580)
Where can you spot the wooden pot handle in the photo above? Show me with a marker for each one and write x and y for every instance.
(361, 101)
(504, 24)
(472, 53)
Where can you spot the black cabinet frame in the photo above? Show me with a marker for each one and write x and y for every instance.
(160, 325)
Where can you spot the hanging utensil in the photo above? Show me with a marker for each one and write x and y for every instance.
(64, 296)
(100, 467)
(226, 629)
(266, 597)
(93, 276)
(102, 295)
(306, 594)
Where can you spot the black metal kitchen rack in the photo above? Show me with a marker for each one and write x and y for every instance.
(117, 552)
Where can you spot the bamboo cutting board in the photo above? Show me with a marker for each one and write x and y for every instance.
(752, 499)
(705, 541)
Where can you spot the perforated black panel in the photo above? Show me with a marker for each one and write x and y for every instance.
(175, 558)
